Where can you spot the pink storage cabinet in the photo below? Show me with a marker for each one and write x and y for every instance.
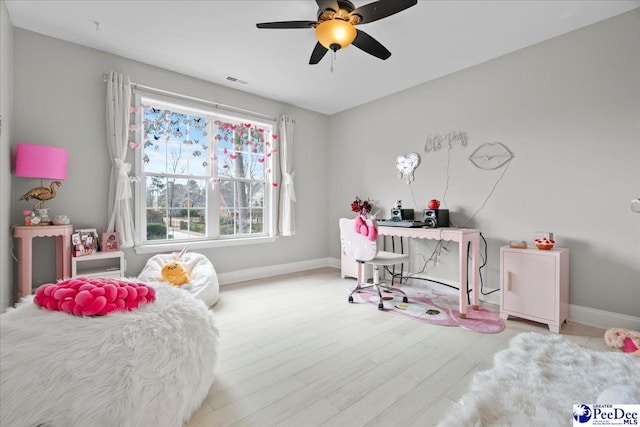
(534, 285)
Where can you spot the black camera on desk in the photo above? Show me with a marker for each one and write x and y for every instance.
(434, 218)
(398, 214)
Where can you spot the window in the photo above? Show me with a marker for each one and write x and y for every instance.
(206, 176)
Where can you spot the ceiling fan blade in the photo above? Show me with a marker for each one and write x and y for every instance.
(370, 45)
(381, 9)
(328, 4)
(287, 24)
(318, 53)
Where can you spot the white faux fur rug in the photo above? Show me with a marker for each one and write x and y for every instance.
(537, 380)
(152, 366)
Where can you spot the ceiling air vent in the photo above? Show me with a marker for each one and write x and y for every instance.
(236, 80)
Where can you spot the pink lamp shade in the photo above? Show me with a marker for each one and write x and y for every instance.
(41, 161)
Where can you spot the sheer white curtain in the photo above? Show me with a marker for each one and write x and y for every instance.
(118, 111)
(286, 222)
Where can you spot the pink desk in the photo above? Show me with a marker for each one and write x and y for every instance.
(24, 234)
(463, 236)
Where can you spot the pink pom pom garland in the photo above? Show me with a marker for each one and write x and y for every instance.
(83, 296)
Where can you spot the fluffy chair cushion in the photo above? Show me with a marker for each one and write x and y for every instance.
(152, 366)
(204, 280)
(83, 296)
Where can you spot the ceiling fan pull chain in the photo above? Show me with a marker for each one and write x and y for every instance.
(333, 55)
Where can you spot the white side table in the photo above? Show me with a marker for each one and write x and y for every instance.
(99, 264)
(534, 285)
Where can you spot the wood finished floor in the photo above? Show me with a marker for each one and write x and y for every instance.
(293, 352)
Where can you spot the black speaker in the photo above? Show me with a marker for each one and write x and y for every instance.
(398, 214)
(434, 218)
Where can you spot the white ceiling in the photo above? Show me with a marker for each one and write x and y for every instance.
(215, 39)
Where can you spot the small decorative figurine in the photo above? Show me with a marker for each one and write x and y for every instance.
(27, 216)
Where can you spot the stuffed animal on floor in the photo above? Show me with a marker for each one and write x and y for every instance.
(623, 340)
(620, 394)
(175, 273)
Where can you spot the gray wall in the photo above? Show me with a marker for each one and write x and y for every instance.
(6, 107)
(60, 100)
(569, 110)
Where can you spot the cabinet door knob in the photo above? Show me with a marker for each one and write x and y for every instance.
(508, 280)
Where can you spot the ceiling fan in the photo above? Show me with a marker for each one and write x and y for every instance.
(335, 26)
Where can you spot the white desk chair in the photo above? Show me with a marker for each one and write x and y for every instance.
(358, 239)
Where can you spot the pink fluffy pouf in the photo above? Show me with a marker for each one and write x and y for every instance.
(83, 296)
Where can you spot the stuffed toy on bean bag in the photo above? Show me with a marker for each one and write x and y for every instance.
(175, 273)
(202, 280)
(623, 340)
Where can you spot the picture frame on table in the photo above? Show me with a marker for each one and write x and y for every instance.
(85, 241)
(110, 242)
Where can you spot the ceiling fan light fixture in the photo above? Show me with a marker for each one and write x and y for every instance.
(335, 34)
(336, 26)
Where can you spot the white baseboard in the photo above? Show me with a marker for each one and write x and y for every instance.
(490, 298)
(335, 262)
(602, 319)
(583, 315)
(272, 270)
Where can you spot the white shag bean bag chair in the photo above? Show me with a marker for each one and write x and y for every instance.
(151, 366)
(204, 280)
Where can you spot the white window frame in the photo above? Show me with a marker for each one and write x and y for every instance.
(213, 239)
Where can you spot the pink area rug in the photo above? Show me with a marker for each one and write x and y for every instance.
(430, 306)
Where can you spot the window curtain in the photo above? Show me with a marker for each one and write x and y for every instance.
(118, 111)
(286, 218)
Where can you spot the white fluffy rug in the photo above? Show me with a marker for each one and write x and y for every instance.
(148, 367)
(536, 381)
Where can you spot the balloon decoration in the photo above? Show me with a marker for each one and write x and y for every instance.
(406, 166)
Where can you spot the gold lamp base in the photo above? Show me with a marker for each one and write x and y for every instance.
(41, 193)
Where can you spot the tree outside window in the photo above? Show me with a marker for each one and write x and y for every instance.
(206, 175)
